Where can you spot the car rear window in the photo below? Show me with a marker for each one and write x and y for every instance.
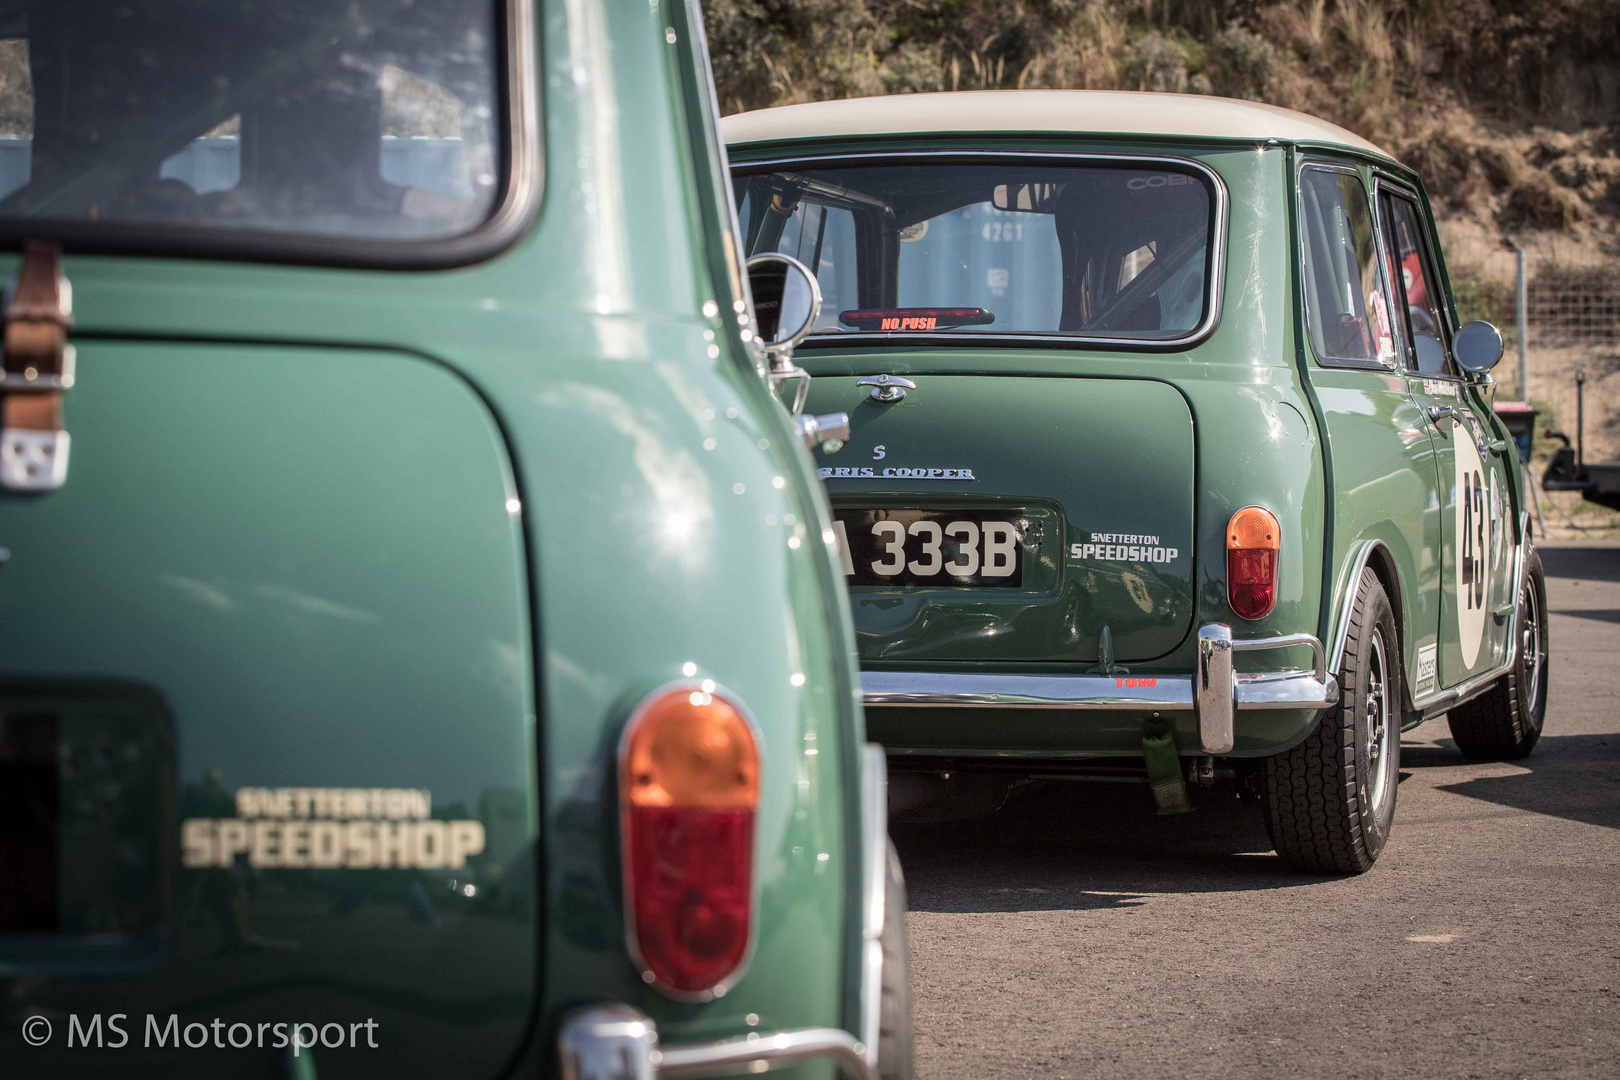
(1100, 250)
(373, 119)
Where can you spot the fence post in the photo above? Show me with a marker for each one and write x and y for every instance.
(1521, 316)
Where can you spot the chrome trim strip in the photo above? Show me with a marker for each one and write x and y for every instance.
(617, 1042)
(725, 1057)
(1313, 689)
(875, 870)
(1470, 687)
(1086, 693)
(1344, 597)
(973, 690)
(1287, 641)
(1215, 285)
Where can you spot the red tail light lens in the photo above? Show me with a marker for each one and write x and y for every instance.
(689, 789)
(1252, 540)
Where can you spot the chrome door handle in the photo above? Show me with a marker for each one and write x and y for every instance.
(887, 388)
(1438, 413)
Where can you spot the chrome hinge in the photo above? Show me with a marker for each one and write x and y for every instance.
(32, 460)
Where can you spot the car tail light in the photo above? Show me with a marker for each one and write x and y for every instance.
(688, 790)
(1252, 540)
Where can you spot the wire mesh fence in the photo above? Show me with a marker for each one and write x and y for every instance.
(1572, 334)
(1567, 304)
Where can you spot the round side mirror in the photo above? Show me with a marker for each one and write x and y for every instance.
(1478, 347)
(787, 300)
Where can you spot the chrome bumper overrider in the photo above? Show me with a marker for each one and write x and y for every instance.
(615, 1042)
(1213, 691)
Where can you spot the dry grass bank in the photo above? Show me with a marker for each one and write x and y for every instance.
(1508, 107)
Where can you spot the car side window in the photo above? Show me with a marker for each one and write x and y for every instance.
(1345, 303)
(1413, 280)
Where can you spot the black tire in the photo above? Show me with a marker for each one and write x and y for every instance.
(894, 1025)
(1504, 723)
(1329, 802)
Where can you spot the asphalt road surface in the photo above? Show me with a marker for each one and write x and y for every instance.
(1075, 934)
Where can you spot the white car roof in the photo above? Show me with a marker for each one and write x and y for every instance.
(1080, 112)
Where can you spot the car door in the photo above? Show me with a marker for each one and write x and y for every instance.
(1385, 476)
(1472, 480)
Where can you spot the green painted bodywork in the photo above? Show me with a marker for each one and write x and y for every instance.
(443, 530)
(1342, 457)
(1054, 617)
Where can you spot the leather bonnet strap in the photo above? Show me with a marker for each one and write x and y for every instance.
(38, 366)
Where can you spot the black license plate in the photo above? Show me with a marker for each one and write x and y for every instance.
(932, 547)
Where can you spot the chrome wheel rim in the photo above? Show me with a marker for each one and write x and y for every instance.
(1375, 709)
(1530, 647)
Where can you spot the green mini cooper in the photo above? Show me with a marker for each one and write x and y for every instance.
(1169, 455)
(422, 651)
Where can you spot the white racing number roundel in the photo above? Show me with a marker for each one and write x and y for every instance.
(1475, 536)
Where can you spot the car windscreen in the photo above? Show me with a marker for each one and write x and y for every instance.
(370, 119)
(1100, 250)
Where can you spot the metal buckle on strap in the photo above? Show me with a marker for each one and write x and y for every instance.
(31, 378)
(33, 460)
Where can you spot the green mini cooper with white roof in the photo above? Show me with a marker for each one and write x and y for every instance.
(422, 650)
(1169, 454)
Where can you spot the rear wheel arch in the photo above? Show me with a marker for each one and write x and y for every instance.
(1382, 562)
(1376, 555)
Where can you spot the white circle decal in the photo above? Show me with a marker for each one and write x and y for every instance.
(1475, 535)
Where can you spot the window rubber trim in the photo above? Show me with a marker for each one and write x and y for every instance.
(1214, 287)
(517, 204)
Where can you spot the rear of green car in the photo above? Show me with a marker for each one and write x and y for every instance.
(420, 654)
(1090, 340)
(1170, 458)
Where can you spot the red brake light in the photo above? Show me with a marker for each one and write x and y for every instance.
(1252, 540)
(688, 789)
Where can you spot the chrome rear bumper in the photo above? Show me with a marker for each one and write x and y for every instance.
(1213, 691)
(615, 1042)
